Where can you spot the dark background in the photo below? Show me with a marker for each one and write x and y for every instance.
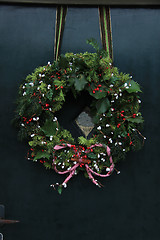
(128, 206)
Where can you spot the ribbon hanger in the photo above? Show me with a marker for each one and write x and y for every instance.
(61, 13)
(105, 28)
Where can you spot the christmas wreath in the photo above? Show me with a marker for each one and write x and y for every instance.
(114, 110)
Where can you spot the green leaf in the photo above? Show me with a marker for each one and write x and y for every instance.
(43, 87)
(135, 120)
(57, 83)
(82, 140)
(97, 94)
(93, 42)
(60, 189)
(80, 82)
(41, 154)
(102, 105)
(71, 80)
(47, 165)
(49, 128)
(62, 95)
(80, 65)
(92, 155)
(95, 118)
(63, 62)
(114, 79)
(49, 94)
(133, 87)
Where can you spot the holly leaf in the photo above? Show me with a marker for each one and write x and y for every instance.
(49, 128)
(41, 154)
(102, 105)
(101, 93)
(133, 87)
(63, 62)
(135, 120)
(71, 80)
(80, 64)
(60, 189)
(95, 118)
(92, 155)
(98, 94)
(80, 82)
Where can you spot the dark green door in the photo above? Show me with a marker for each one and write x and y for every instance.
(128, 206)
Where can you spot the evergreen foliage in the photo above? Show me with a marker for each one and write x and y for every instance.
(114, 109)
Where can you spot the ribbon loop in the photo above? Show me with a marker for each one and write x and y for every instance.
(84, 161)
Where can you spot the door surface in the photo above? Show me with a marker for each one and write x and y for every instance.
(128, 206)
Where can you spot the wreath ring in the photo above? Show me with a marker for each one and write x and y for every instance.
(114, 110)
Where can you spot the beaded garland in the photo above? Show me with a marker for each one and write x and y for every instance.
(114, 111)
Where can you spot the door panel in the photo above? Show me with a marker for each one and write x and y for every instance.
(82, 23)
(128, 206)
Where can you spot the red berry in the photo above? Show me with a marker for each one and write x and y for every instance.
(93, 91)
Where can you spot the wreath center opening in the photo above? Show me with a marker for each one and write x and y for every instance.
(75, 114)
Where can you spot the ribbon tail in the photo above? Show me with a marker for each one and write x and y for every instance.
(92, 178)
(69, 177)
(71, 173)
